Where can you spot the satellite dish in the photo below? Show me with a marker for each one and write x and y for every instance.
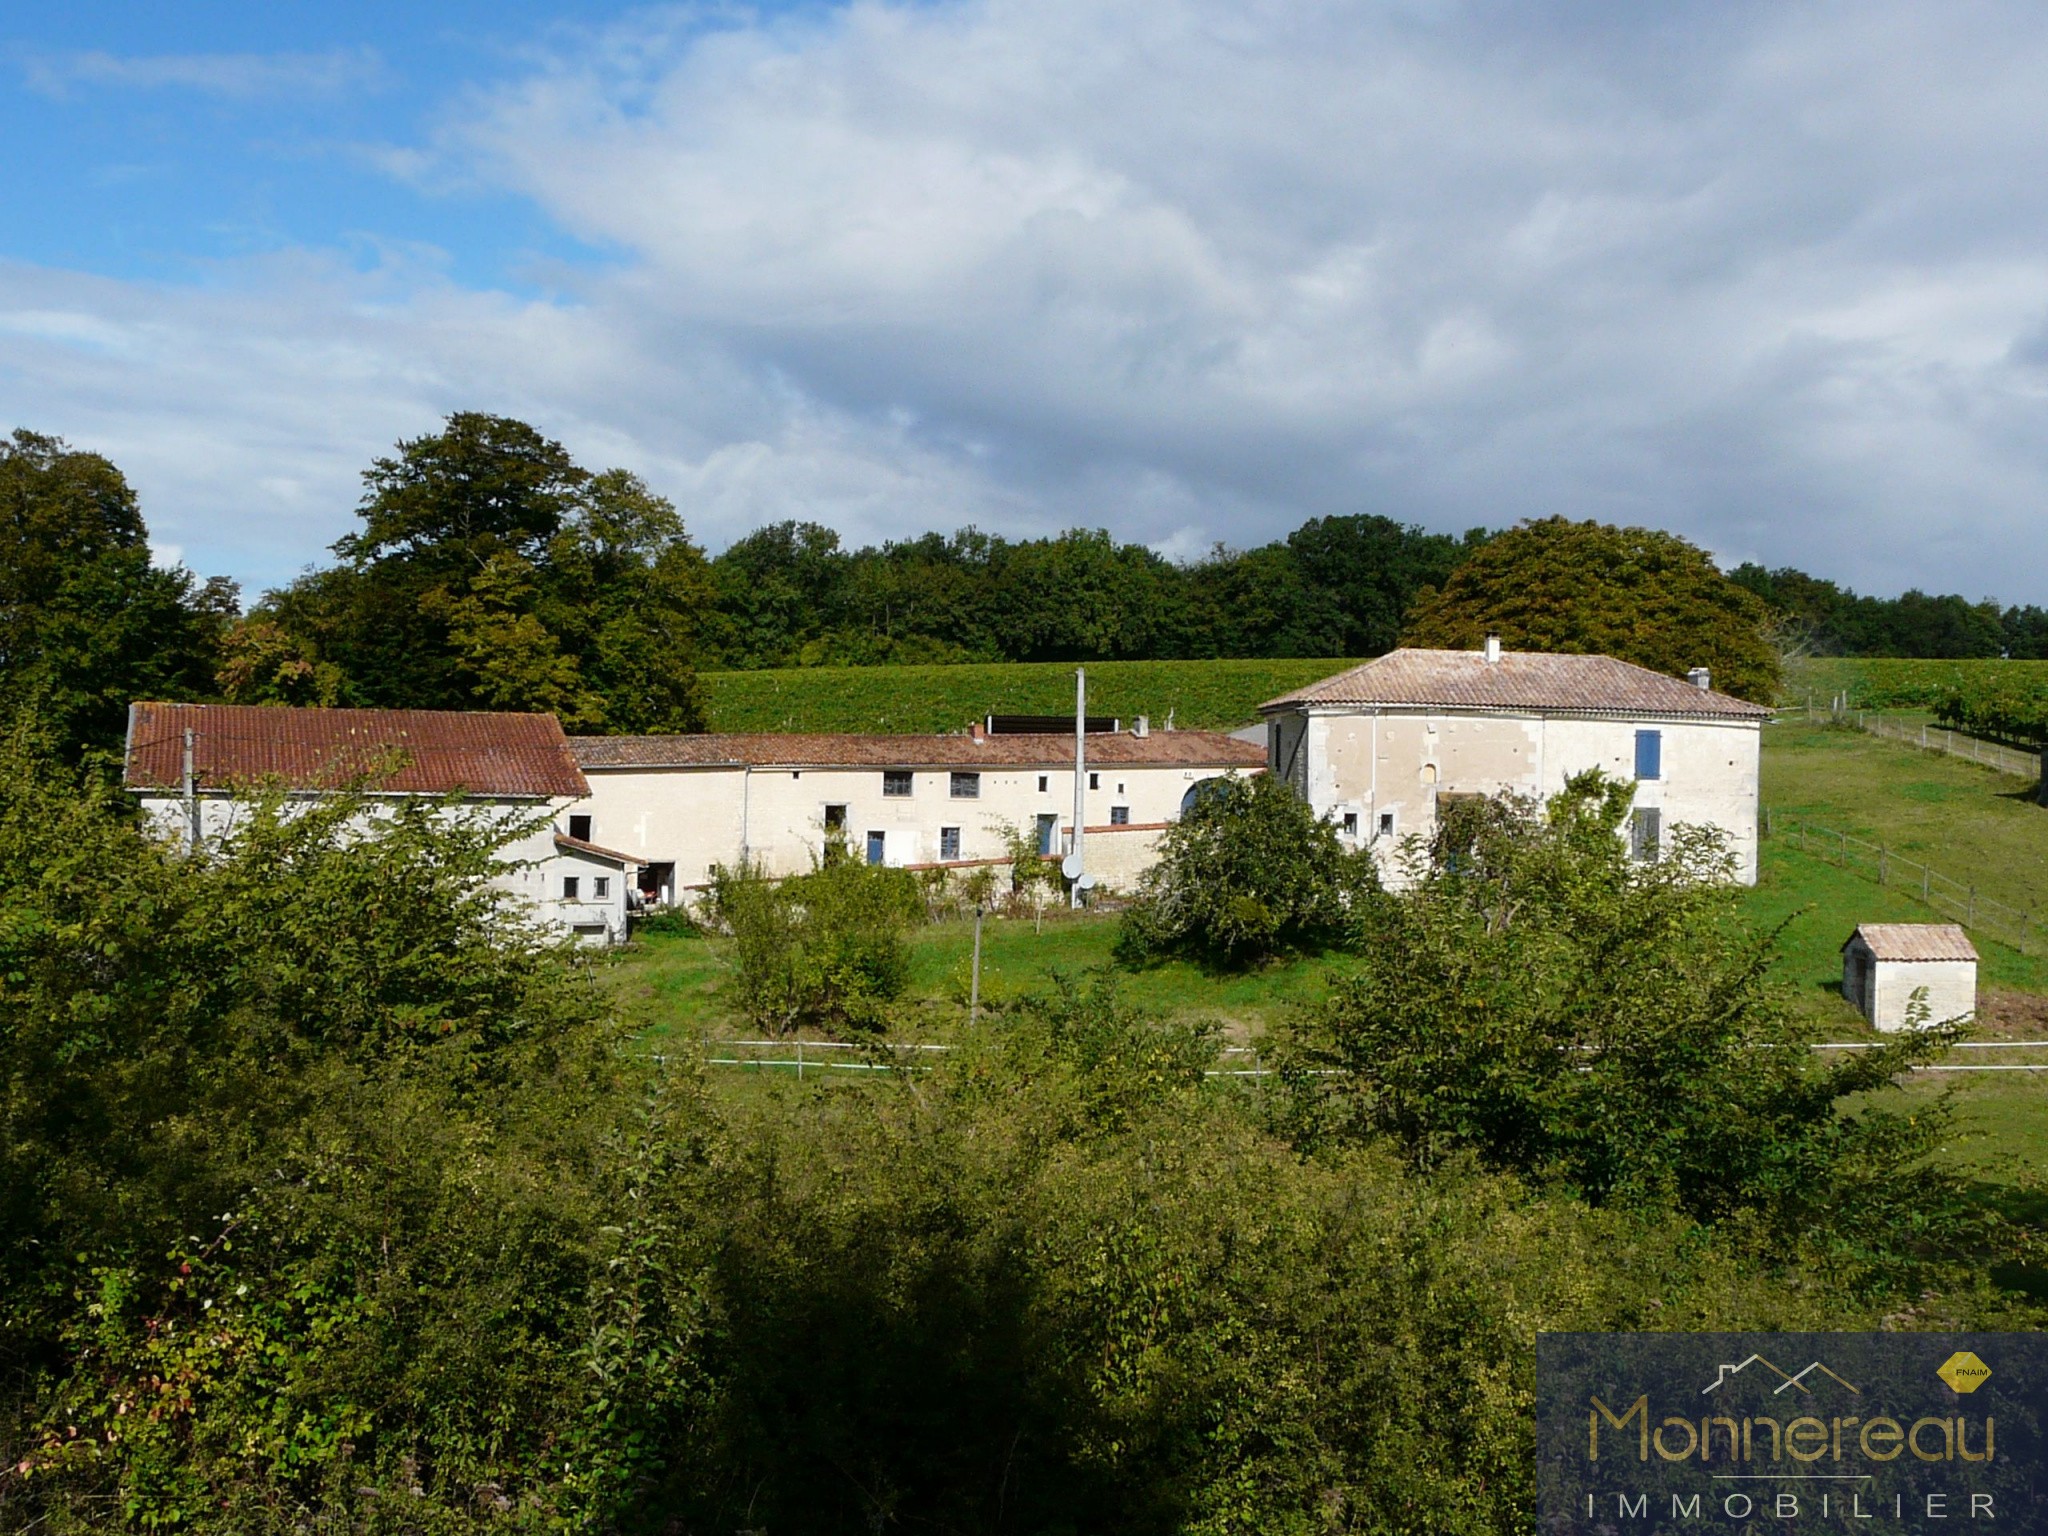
(1086, 883)
(1070, 866)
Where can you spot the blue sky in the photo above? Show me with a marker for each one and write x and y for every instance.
(156, 141)
(1772, 276)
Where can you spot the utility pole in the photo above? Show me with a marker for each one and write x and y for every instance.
(1074, 865)
(974, 985)
(191, 788)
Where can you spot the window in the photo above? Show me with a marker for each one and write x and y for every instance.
(835, 818)
(600, 888)
(878, 842)
(1043, 782)
(896, 783)
(966, 786)
(1119, 815)
(1119, 786)
(1649, 754)
(949, 842)
(579, 828)
(1351, 823)
(571, 888)
(1047, 827)
(1644, 834)
(1386, 823)
(1095, 781)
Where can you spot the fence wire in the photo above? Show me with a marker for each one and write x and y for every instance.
(1957, 900)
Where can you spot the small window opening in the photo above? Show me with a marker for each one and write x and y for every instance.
(579, 828)
(1386, 823)
(896, 783)
(1048, 826)
(1119, 815)
(835, 818)
(949, 843)
(1043, 782)
(1351, 823)
(966, 786)
(1645, 834)
(1095, 781)
(572, 887)
(601, 887)
(1649, 754)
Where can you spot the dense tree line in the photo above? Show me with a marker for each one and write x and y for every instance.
(490, 570)
(1813, 616)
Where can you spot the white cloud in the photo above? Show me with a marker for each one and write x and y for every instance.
(236, 76)
(1774, 277)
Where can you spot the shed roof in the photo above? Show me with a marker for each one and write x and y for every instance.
(508, 756)
(1520, 680)
(583, 845)
(1914, 941)
(777, 749)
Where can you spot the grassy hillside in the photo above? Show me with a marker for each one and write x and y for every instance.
(1201, 695)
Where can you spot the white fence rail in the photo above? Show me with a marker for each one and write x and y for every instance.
(814, 1056)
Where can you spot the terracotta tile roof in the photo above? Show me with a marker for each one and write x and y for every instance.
(1520, 680)
(1915, 941)
(1161, 749)
(579, 845)
(513, 756)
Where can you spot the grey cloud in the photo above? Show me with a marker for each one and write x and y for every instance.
(1774, 277)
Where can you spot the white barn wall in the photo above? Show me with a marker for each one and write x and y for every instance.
(1400, 760)
(537, 864)
(696, 817)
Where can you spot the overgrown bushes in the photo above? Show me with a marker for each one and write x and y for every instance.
(1539, 1000)
(1247, 873)
(824, 948)
(362, 1219)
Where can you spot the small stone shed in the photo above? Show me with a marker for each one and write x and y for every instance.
(1884, 964)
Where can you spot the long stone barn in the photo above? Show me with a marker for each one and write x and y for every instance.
(681, 804)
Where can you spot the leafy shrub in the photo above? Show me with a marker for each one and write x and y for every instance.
(1247, 873)
(1543, 1002)
(826, 948)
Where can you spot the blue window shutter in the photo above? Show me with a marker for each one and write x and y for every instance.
(1649, 754)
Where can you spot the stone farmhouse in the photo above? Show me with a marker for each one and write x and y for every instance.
(1381, 748)
(681, 804)
(515, 766)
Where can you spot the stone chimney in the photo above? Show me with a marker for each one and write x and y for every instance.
(1492, 650)
(977, 731)
(1143, 728)
(1700, 678)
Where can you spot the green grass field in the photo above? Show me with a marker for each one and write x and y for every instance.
(1946, 812)
(1200, 695)
(1970, 823)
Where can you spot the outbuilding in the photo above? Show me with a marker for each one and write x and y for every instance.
(1888, 967)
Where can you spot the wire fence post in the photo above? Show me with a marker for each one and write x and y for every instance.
(799, 1061)
(1926, 874)
(1883, 869)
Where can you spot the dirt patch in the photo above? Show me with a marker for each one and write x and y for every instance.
(2003, 1014)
